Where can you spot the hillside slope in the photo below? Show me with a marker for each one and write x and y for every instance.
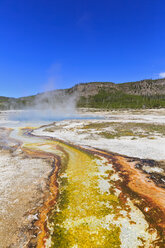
(143, 87)
(140, 94)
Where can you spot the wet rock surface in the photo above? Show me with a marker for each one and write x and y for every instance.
(56, 193)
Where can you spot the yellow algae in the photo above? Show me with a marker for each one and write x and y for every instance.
(45, 147)
(88, 211)
(79, 219)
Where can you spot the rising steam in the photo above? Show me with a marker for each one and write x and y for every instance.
(48, 106)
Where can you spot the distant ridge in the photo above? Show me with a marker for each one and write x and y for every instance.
(140, 94)
(143, 87)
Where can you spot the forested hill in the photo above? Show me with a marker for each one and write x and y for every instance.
(144, 87)
(140, 94)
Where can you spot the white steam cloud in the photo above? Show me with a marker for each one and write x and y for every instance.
(52, 104)
(162, 74)
(49, 106)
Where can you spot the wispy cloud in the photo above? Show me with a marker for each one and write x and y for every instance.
(54, 77)
(84, 21)
(162, 74)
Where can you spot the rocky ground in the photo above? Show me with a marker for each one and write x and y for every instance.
(28, 187)
(133, 133)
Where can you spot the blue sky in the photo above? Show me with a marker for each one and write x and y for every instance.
(49, 44)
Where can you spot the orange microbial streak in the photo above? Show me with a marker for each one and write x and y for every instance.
(51, 200)
(139, 183)
(92, 207)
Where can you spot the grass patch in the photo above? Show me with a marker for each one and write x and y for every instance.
(109, 135)
(118, 129)
(97, 125)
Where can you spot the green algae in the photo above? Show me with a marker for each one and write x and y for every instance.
(81, 211)
(84, 216)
